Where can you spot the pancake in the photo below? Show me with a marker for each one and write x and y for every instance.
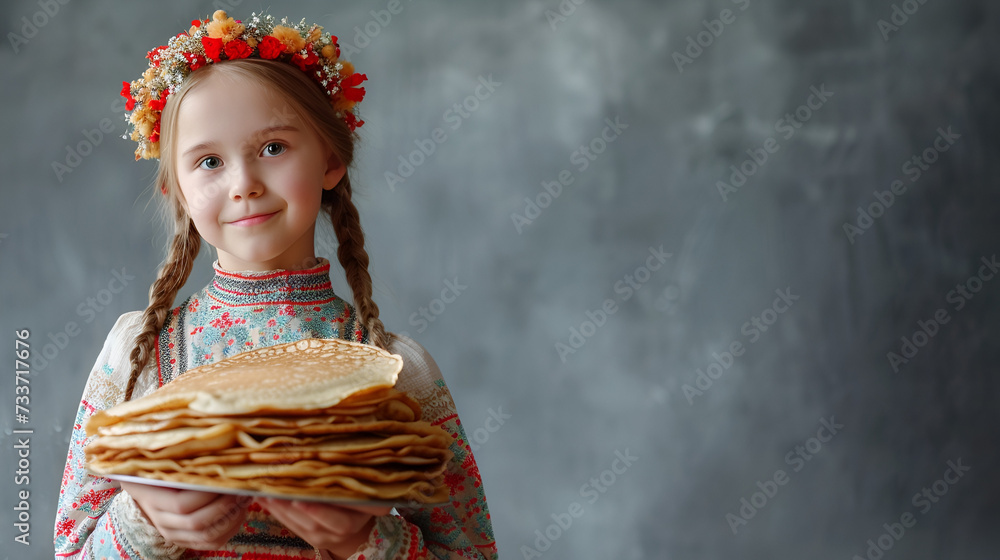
(310, 374)
(317, 417)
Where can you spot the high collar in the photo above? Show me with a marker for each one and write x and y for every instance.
(306, 286)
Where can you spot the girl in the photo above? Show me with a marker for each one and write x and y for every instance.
(253, 126)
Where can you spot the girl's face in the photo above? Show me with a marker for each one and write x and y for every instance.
(251, 174)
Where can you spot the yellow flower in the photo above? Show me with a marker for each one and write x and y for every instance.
(314, 34)
(220, 15)
(251, 42)
(343, 104)
(150, 151)
(143, 114)
(347, 70)
(289, 37)
(226, 29)
(145, 128)
(329, 52)
(149, 74)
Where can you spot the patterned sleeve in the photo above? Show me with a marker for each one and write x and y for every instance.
(460, 529)
(95, 517)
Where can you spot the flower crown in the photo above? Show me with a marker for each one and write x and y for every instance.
(223, 38)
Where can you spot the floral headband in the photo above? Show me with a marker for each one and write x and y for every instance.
(223, 38)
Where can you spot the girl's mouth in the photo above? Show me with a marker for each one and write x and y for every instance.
(253, 220)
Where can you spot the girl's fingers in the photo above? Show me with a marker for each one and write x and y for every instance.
(312, 517)
(293, 515)
(371, 510)
(206, 528)
(168, 499)
(189, 501)
(224, 511)
(201, 540)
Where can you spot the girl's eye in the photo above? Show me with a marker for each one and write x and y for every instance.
(210, 166)
(280, 149)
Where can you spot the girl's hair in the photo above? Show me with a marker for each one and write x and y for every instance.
(314, 108)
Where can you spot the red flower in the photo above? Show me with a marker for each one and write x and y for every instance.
(304, 62)
(157, 104)
(195, 61)
(237, 48)
(127, 94)
(213, 48)
(352, 121)
(65, 527)
(154, 55)
(349, 84)
(270, 47)
(95, 498)
(441, 516)
(155, 136)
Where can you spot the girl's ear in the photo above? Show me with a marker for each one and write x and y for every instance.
(335, 171)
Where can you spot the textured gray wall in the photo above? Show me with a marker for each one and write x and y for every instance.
(628, 388)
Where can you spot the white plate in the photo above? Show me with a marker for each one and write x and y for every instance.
(257, 493)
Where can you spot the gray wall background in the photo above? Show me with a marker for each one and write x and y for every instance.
(656, 185)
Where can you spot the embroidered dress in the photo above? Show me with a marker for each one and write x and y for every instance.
(241, 311)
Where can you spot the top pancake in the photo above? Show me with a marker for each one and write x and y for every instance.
(310, 374)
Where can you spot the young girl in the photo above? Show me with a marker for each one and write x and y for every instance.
(253, 126)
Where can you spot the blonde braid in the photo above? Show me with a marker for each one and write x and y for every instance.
(353, 257)
(173, 274)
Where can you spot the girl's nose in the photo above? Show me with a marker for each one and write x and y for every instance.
(244, 183)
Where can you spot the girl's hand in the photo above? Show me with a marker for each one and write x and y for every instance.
(188, 518)
(339, 529)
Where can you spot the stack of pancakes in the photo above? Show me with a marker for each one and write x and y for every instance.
(314, 418)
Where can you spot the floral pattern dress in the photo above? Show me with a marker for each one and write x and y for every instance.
(240, 311)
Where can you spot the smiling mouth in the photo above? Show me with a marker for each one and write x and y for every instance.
(253, 220)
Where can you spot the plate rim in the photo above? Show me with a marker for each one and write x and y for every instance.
(259, 494)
